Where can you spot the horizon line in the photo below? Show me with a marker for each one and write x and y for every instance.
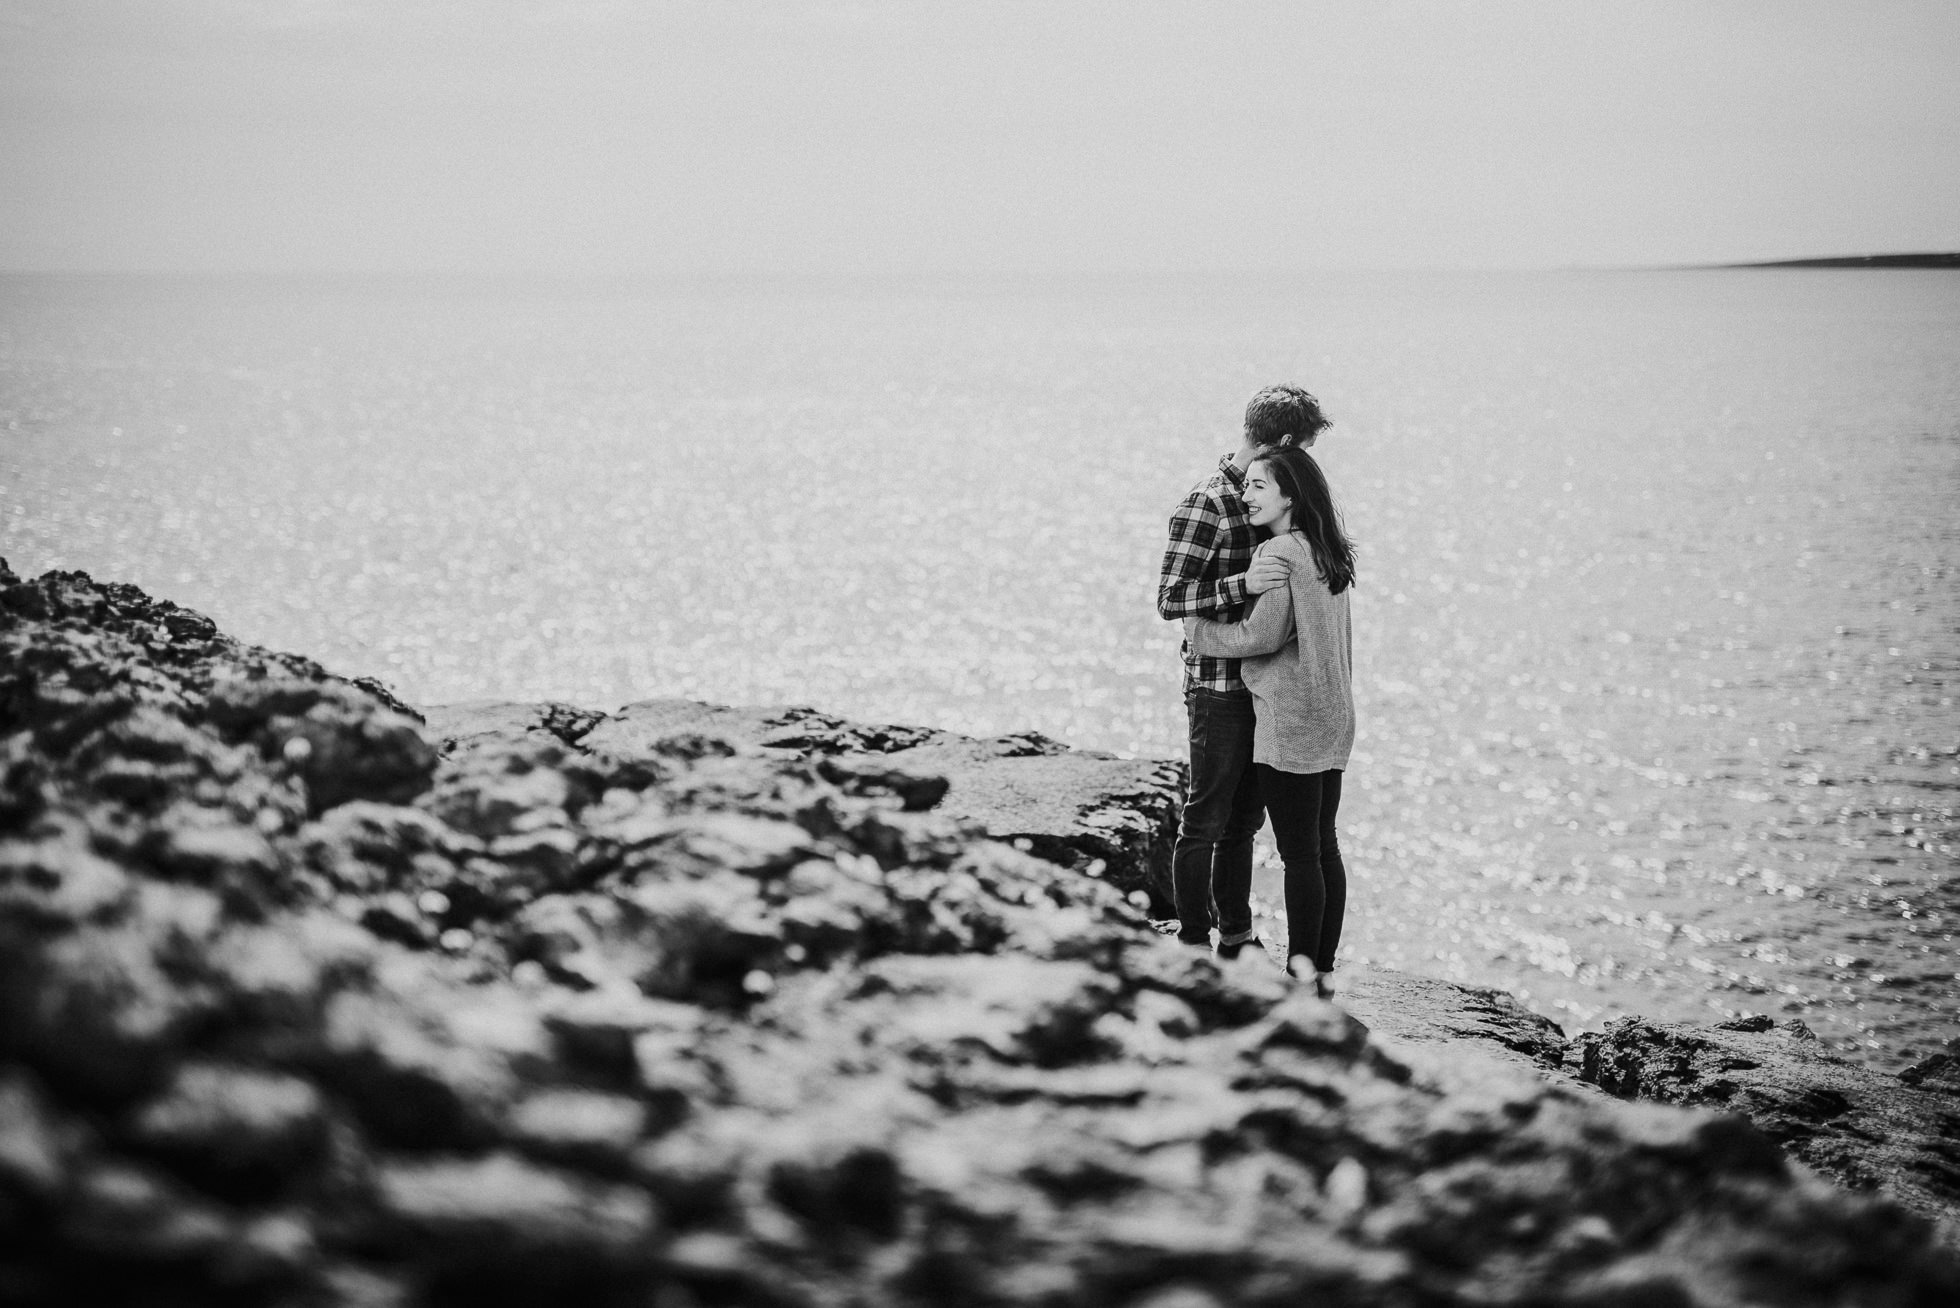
(1916, 259)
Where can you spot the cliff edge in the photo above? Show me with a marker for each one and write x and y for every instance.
(305, 999)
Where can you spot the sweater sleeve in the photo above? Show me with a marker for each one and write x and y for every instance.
(1265, 629)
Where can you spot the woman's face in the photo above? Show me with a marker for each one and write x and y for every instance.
(1263, 502)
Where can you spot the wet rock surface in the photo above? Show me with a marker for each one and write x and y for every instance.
(303, 1001)
(1896, 1135)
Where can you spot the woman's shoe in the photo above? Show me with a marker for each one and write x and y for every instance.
(1300, 967)
(1323, 985)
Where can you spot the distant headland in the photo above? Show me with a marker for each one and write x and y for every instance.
(1947, 260)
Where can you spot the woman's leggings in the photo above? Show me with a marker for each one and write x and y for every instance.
(1301, 806)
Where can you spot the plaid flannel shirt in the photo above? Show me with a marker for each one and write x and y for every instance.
(1204, 568)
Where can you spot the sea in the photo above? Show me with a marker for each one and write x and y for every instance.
(1656, 629)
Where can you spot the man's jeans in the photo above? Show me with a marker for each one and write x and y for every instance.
(1211, 869)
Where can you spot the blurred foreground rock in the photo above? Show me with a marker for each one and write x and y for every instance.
(305, 1002)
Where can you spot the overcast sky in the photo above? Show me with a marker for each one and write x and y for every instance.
(929, 135)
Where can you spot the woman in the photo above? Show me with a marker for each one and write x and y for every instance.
(1297, 649)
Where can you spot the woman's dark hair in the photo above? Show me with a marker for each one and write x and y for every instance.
(1300, 479)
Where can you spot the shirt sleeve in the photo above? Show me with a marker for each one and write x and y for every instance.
(1182, 591)
(1266, 628)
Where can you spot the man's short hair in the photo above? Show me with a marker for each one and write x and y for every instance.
(1284, 415)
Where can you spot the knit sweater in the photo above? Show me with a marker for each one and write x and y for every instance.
(1298, 656)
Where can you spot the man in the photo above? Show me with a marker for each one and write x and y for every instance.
(1206, 574)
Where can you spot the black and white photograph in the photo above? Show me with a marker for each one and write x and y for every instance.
(896, 654)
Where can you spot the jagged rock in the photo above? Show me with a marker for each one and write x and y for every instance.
(52, 872)
(693, 1006)
(1938, 1072)
(871, 775)
(33, 1152)
(1421, 1011)
(1110, 817)
(501, 1230)
(499, 789)
(800, 732)
(1114, 818)
(460, 726)
(236, 1131)
(93, 1012)
(148, 700)
(346, 750)
(122, 1213)
(1859, 1127)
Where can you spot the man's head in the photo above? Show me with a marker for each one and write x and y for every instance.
(1284, 415)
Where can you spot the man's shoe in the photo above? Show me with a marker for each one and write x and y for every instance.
(1232, 951)
(1323, 985)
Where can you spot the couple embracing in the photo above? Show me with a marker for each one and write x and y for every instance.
(1259, 570)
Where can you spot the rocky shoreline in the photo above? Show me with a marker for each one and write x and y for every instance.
(308, 998)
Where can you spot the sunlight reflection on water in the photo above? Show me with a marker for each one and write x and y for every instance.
(1655, 632)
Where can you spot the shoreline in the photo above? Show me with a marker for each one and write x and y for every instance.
(684, 994)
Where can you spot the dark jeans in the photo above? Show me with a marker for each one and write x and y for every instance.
(1302, 807)
(1211, 868)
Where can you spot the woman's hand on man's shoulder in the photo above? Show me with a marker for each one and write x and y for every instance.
(1268, 571)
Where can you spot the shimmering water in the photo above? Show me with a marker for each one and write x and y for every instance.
(1656, 634)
